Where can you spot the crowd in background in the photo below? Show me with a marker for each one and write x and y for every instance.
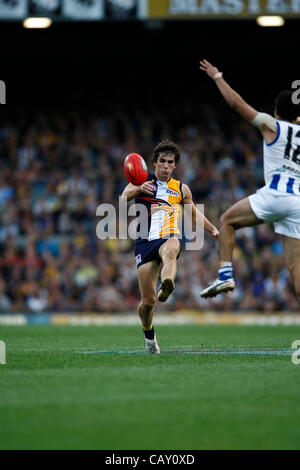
(57, 168)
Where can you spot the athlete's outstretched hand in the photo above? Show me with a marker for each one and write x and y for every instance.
(147, 187)
(208, 68)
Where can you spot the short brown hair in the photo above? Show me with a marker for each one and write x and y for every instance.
(166, 147)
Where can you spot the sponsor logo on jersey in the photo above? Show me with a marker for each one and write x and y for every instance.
(172, 192)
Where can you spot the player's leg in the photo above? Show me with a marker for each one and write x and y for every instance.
(237, 216)
(168, 253)
(292, 258)
(147, 279)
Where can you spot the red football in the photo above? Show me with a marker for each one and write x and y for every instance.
(135, 169)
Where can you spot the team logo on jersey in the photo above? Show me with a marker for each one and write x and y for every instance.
(138, 259)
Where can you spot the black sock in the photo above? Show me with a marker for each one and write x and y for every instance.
(149, 334)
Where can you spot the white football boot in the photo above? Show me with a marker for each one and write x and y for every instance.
(218, 287)
(151, 345)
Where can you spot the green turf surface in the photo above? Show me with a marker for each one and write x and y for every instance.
(55, 396)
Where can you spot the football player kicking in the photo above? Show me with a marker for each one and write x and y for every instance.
(162, 197)
(279, 200)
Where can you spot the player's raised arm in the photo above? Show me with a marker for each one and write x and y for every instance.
(265, 123)
(197, 217)
(234, 100)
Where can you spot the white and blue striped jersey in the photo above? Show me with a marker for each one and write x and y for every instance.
(282, 160)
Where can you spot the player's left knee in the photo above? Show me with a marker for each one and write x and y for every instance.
(225, 219)
(170, 252)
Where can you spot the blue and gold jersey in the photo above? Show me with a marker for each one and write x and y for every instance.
(163, 207)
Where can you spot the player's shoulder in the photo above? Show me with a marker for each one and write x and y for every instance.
(284, 129)
(185, 191)
(283, 124)
(174, 182)
(175, 188)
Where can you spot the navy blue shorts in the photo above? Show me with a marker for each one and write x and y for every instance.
(148, 251)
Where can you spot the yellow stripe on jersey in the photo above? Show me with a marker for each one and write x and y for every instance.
(170, 223)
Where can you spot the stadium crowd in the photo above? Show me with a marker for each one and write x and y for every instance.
(57, 168)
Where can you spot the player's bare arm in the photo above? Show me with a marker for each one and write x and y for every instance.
(197, 217)
(264, 122)
(131, 191)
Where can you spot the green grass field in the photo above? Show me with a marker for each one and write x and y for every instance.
(56, 393)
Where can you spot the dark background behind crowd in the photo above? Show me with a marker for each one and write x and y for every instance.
(76, 107)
